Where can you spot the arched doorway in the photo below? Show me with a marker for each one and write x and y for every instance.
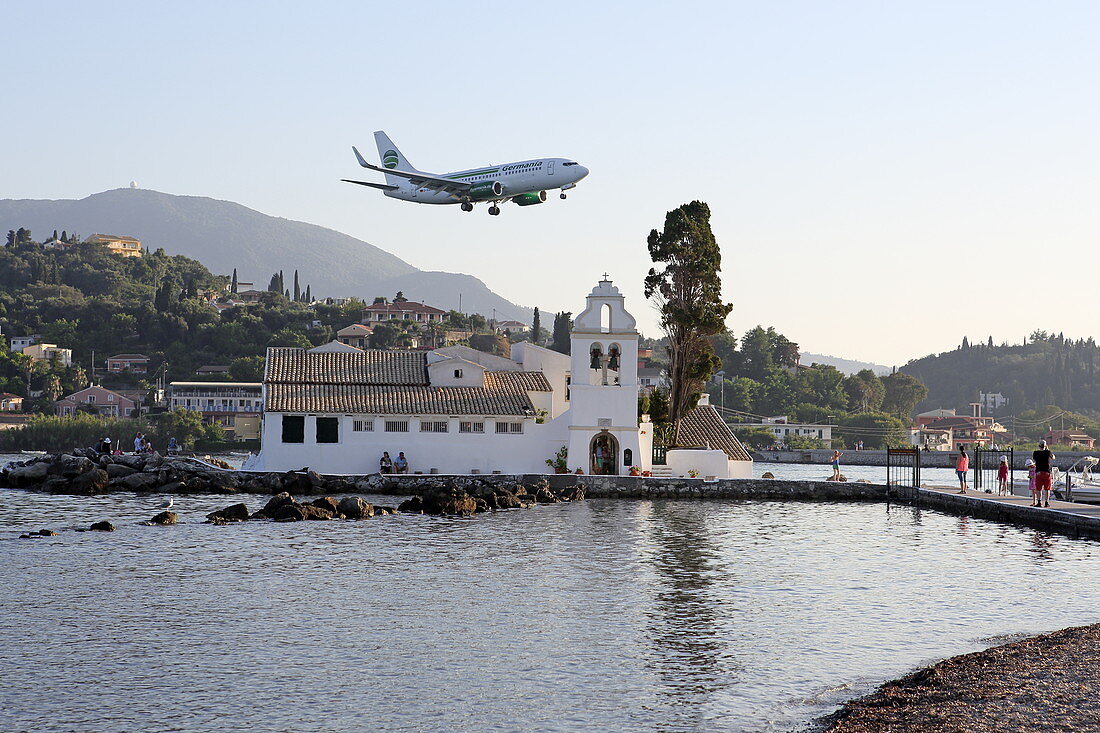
(603, 454)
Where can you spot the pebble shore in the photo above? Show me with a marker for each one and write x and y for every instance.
(1044, 683)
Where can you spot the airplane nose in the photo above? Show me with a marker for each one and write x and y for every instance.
(582, 171)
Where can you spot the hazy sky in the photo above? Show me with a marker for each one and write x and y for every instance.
(885, 177)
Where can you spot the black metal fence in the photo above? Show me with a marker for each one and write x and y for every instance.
(903, 467)
(659, 455)
(987, 463)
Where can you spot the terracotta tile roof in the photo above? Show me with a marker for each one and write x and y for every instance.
(367, 367)
(518, 381)
(405, 306)
(396, 400)
(703, 426)
(130, 357)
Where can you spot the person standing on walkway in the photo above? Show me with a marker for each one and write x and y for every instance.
(1031, 482)
(1002, 477)
(962, 465)
(1042, 458)
(836, 465)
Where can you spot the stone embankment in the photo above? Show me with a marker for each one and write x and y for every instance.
(929, 459)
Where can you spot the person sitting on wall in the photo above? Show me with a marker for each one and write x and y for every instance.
(401, 464)
(386, 464)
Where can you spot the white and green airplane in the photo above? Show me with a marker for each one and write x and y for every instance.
(524, 183)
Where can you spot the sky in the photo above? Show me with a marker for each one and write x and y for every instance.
(884, 178)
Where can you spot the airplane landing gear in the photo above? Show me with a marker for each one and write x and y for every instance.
(494, 210)
(467, 206)
(563, 196)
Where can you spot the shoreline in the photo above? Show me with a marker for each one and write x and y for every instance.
(1047, 682)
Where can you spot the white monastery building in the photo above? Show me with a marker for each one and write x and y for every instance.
(456, 410)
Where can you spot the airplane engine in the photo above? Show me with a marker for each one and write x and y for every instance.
(529, 199)
(487, 190)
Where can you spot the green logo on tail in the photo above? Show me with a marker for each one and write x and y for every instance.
(389, 159)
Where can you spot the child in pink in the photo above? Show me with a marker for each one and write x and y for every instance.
(1002, 477)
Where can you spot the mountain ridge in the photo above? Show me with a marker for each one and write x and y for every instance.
(224, 235)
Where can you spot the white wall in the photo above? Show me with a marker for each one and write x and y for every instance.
(442, 373)
(708, 463)
(450, 452)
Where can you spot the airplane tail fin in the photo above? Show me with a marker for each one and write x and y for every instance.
(391, 157)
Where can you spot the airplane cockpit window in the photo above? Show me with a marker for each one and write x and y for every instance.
(572, 162)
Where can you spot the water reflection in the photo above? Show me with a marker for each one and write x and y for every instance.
(685, 625)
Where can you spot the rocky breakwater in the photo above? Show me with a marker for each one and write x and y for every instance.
(465, 495)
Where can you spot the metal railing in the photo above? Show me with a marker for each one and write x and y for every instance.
(986, 463)
(903, 467)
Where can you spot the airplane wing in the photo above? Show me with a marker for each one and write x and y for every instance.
(423, 180)
(381, 186)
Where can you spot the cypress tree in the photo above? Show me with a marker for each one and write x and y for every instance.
(563, 325)
(233, 287)
(688, 291)
(297, 290)
(307, 298)
(536, 326)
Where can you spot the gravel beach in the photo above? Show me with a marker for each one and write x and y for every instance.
(1043, 683)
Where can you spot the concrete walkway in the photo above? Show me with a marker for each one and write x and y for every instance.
(1078, 520)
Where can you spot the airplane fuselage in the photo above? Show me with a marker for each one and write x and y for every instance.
(516, 179)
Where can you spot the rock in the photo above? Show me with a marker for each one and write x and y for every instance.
(173, 487)
(232, 513)
(315, 512)
(413, 505)
(165, 518)
(480, 505)
(153, 461)
(92, 482)
(70, 466)
(135, 462)
(572, 493)
(138, 482)
(768, 474)
(103, 526)
(117, 470)
(382, 510)
(449, 501)
(289, 513)
(29, 474)
(353, 507)
(544, 496)
(327, 503)
(45, 533)
(274, 504)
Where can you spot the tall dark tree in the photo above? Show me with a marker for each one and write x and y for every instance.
(297, 289)
(563, 327)
(400, 298)
(307, 298)
(233, 287)
(536, 326)
(903, 392)
(11, 237)
(273, 286)
(688, 292)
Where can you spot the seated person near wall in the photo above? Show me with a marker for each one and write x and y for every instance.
(401, 464)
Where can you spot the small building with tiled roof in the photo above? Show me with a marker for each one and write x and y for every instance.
(135, 363)
(402, 310)
(125, 246)
(458, 410)
(356, 335)
(10, 402)
(1073, 438)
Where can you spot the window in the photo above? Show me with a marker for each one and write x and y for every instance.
(433, 426)
(458, 374)
(628, 457)
(362, 426)
(294, 429)
(328, 430)
(510, 427)
(471, 427)
(91, 399)
(397, 426)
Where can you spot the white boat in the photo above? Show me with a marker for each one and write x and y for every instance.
(33, 452)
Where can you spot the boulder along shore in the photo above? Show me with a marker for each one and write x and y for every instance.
(87, 473)
(1044, 683)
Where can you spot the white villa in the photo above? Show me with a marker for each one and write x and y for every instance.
(456, 410)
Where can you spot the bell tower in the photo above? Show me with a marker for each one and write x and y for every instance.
(604, 431)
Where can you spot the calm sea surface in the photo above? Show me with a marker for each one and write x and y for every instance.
(602, 615)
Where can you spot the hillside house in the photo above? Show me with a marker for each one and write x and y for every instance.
(10, 402)
(48, 352)
(99, 400)
(356, 335)
(134, 363)
(1077, 439)
(784, 429)
(402, 310)
(236, 406)
(18, 343)
(650, 378)
(125, 246)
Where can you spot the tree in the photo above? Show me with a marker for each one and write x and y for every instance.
(876, 430)
(688, 291)
(233, 287)
(384, 336)
(247, 369)
(563, 328)
(290, 336)
(865, 391)
(307, 298)
(536, 327)
(490, 343)
(297, 290)
(273, 286)
(400, 298)
(903, 392)
(183, 425)
(658, 406)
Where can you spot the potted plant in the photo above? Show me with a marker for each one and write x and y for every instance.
(693, 473)
(558, 461)
(635, 471)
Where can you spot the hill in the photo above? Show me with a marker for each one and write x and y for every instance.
(848, 366)
(1047, 370)
(224, 235)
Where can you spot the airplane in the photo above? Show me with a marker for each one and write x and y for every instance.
(524, 182)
